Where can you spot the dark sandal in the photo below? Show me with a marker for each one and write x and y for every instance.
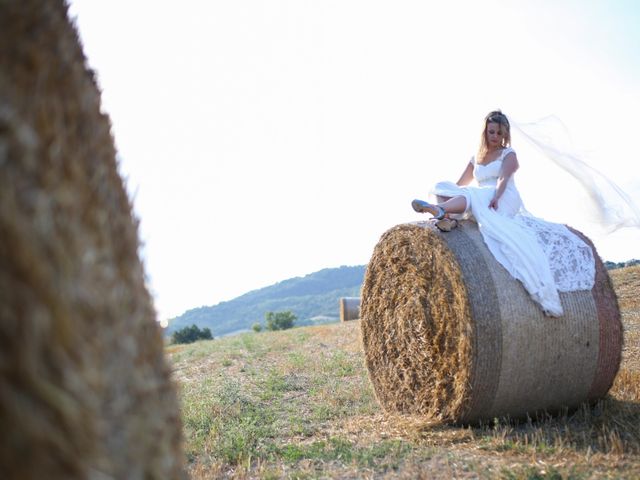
(446, 224)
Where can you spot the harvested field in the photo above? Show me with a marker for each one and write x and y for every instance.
(298, 404)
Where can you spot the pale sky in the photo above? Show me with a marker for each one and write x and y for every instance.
(262, 140)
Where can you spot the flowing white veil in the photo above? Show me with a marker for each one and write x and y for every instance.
(612, 207)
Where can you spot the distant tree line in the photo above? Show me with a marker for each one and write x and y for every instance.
(613, 265)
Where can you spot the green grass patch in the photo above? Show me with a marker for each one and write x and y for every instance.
(297, 360)
(534, 473)
(239, 427)
(337, 449)
(340, 364)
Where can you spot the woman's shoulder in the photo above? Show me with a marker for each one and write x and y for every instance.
(508, 152)
(509, 156)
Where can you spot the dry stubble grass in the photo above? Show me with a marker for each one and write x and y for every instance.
(298, 404)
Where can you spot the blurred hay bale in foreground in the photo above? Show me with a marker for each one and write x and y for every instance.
(448, 333)
(349, 308)
(85, 389)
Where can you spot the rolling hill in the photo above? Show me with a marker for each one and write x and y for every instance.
(312, 298)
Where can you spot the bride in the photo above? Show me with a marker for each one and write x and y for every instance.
(546, 257)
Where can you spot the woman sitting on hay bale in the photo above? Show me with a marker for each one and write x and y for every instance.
(546, 257)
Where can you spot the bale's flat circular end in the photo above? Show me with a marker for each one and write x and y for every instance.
(416, 324)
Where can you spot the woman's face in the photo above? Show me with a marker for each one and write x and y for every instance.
(495, 134)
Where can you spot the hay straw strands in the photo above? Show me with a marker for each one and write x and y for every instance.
(349, 308)
(85, 391)
(449, 334)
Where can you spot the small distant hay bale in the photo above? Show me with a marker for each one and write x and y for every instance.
(85, 391)
(449, 334)
(349, 308)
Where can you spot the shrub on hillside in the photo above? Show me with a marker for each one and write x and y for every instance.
(279, 320)
(191, 334)
(257, 327)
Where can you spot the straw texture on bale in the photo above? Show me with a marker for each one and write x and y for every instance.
(85, 390)
(349, 308)
(449, 334)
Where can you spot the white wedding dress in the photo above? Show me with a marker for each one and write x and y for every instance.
(546, 257)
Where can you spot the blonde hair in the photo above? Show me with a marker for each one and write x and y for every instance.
(501, 119)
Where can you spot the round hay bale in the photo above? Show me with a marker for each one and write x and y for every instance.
(449, 334)
(349, 308)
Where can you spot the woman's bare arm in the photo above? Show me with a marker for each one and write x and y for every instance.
(467, 176)
(509, 167)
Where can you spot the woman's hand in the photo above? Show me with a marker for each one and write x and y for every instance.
(494, 203)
